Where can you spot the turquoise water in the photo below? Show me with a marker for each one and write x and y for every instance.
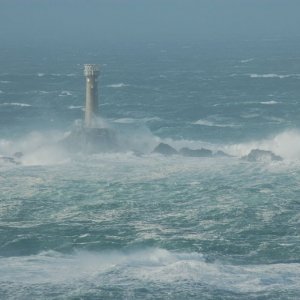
(126, 226)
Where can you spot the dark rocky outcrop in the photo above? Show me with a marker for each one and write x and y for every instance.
(164, 149)
(257, 155)
(8, 159)
(196, 153)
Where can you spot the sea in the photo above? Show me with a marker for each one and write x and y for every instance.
(134, 224)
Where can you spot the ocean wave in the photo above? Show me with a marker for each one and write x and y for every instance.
(40, 74)
(118, 85)
(1, 92)
(44, 92)
(132, 120)
(65, 93)
(273, 75)
(5, 81)
(151, 265)
(75, 107)
(60, 75)
(43, 148)
(125, 120)
(213, 124)
(271, 102)
(285, 144)
(16, 104)
(38, 148)
(244, 61)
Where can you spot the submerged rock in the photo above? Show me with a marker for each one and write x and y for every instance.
(195, 153)
(262, 155)
(8, 159)
(164, 149)
(18, 154)
(91, 140)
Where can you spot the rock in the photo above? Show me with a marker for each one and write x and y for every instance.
(91, 140)
(8, 159)
(195, 153)
(18, 154)
(164, 149)
(262, 155)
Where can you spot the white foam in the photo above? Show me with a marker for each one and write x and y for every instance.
(38, 148)
(285, 144)
(5, 81)
(59, 74)
(152, 265)
(40, 74)
(244, 61)
(273, 75)
(117, 85)
(65, 93)
(75, 107)
(16, 104)
(271, 102)
(212, 124)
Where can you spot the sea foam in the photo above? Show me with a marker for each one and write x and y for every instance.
(16, 104)
(271, 75)
(150, 265)
(118, 85)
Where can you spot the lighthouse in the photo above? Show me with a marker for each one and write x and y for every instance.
(91, 72)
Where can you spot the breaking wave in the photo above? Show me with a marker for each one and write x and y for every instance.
(75, 107)
(269, 102)
(65, 93)
(118, 85)
(285, 144)
(16, 104)
(244, 61)
(273, 75)
(152, 265)
(212, 124)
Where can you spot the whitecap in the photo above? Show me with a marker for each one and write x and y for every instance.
(75, 107)
(285, 144)
(152, 265)
(212, 124)
(269, 102)
(40, 74)
(65, 93)
(118, 85)
(59, 74)
(16, 104)
(271, 76)
(244, 61)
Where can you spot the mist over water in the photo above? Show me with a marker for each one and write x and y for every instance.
(133, 224)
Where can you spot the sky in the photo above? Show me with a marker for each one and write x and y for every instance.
(135, 21)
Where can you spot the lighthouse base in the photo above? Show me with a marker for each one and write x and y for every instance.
(91, 140)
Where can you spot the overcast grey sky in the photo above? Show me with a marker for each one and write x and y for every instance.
(147, 20)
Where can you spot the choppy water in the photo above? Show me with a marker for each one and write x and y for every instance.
(122, 226)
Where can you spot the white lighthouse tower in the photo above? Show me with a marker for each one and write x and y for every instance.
(91, 72)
